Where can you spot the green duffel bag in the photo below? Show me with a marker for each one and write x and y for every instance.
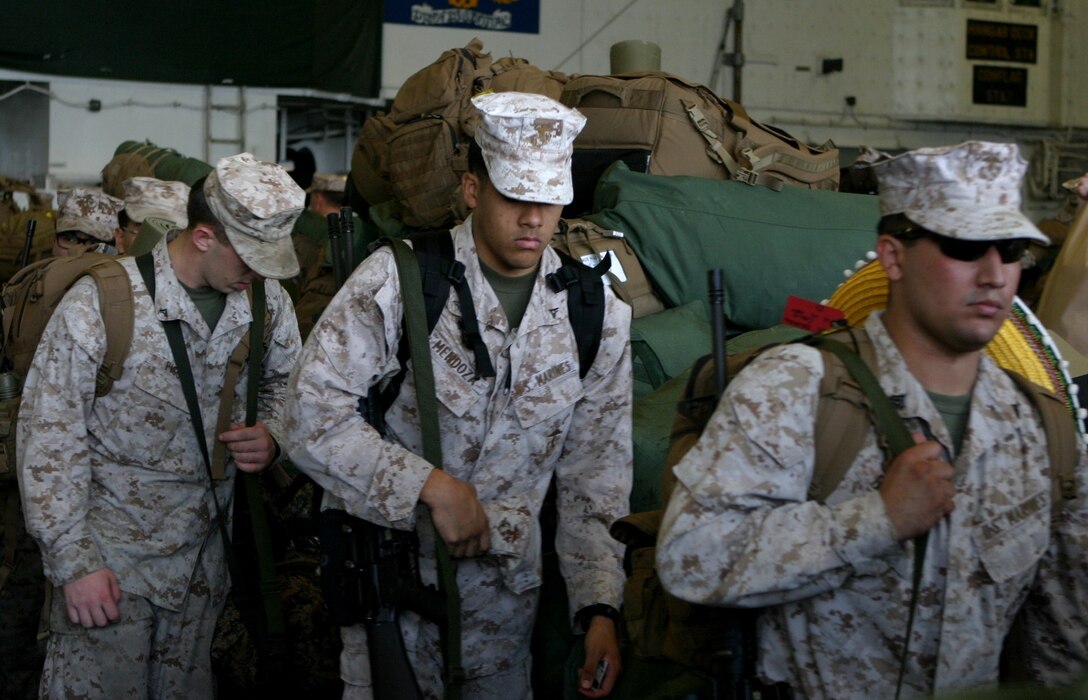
(769, 244)
(145, 159)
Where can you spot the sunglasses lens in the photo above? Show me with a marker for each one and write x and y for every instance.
(967, 251)
(1009, 251)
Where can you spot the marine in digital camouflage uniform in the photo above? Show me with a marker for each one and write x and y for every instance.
(836, 577)
(114, 488)
(87, 221)
(503, 437)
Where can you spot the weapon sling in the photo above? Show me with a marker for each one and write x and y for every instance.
(273, 642)
(891, 427)
(411, 286)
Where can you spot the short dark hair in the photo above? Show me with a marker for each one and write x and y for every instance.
(122, 218)
(901, 227)
(476, 164)
(199, 212)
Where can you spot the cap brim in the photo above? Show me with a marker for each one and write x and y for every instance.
(275, 260)
(978, 224)
(100, 232)
(530, 180)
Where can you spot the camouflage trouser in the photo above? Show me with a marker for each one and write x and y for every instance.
(150, 652)
(21, 599)
(513, 684)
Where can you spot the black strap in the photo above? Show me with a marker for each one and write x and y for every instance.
(146, 266)
(585, 304)
(439, 271)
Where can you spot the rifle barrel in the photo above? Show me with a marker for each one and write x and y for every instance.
(31, 227)
(716, 292)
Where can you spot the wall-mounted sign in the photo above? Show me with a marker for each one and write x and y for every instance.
(495, 15)
(1002, 41)
(1000, 85)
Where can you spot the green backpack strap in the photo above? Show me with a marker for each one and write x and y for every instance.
(271, 635)
(896, 437)
(415, 321)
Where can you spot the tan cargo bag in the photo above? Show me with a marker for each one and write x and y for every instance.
(688, 130)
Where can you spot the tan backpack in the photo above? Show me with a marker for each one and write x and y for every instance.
(28, 301)
(686, 129)
(509, 74)
(417, 153)
(588, 243)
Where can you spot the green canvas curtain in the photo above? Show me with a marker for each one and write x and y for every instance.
(331, 45)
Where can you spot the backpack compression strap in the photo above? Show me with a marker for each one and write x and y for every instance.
(585, 304)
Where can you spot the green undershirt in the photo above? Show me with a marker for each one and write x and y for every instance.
(513, 292)
(955, 410)
(209, 302)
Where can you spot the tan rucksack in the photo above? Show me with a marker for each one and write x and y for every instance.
(28, 301)
(13, 240)
(589, 243)
(509, 74)
(417, 153)
(660, 625)
(686, 129)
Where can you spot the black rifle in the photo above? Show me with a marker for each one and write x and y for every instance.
(31, 227)
(370, 573)
(737, 636)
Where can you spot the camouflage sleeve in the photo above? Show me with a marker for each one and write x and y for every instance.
(1056, 610)
(280, 357)
(352, 348)
(595, 471)
(739, 529)
(53, 454)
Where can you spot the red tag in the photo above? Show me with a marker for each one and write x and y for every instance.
(810, 316)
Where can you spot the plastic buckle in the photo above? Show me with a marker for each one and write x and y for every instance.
(746, 176)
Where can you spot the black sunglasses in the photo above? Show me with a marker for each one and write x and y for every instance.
(1010, 250)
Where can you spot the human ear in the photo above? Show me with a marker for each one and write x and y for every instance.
(890, 251)
(470, 189)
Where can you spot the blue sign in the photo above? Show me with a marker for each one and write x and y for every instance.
(494, 15)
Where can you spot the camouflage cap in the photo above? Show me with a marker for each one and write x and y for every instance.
(970, 191)
(527, 141)
(258, 203)
(328, 182)
(89, 211)
(148, 196)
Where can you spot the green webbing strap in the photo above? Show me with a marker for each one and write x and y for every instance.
(893, 432)
(271, 640)
(146, 266)
(415, 319)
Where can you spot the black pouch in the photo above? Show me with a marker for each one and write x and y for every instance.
(343, 574)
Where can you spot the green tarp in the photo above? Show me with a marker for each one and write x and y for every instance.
(769, 244)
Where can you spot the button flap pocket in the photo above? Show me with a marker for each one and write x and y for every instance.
(1015, 539)
(549, 399)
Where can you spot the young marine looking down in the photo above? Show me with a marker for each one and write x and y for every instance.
(503, 437)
